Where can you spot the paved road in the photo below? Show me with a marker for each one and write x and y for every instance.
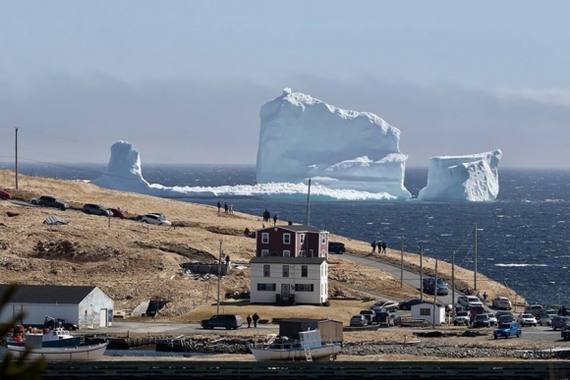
(411, 278)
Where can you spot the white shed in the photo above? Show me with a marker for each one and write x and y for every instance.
(85, 306)
(425, 310)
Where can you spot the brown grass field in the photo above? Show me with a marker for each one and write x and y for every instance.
(133, 262)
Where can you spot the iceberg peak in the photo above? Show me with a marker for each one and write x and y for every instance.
(303, 137)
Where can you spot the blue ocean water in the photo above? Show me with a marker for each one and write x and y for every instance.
(522, 239)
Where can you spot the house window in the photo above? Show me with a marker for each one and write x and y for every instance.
(265, 237)
(266, 287)
(286, 238)
(286, 253)
(285, 270)
(304, 287)
(302, 253)
(425, 311)
(264, 252)
(304, 271)
(302, 237)
(267, 271)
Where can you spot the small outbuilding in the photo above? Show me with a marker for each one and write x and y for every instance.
(331, 330)
(85, 306)
(429, 312)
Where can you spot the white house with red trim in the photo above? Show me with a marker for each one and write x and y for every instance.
(290, 266)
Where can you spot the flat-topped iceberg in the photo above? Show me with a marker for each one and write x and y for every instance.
(304, 138)
(472, 178)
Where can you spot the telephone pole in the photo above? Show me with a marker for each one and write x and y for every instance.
(402, 264)
(422, 273)
(475, 255)
(16, 157)
(219, 279)
(435, 296)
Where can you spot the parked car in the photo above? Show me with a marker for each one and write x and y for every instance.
(526, 319)
(227, 321)
(155, 219)
(119, 314)
(5, 195)
(535, 310)
(336, 247)
(431, 285)
(565, 333)
(385, 305)
(502, 303)
(462, 317)
(358, 320)
(95, 209)
(560, 322)
(370, 315)
(407, 304)
(546, 317)
(507, 330)
(494, 320)
(506, 318)
(117, 212)
(48, 201)
(386, 318)
(52, 323)
(482, 320)
(467, 301)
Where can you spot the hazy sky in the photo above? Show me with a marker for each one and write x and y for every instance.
(184, 80)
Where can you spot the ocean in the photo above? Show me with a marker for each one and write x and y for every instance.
(522, 237)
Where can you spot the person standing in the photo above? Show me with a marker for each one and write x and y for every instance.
(255, 319)
(219, 206)
(231, 208)
(226, 207)
(384, 247)
(373, 244)
(248, 319)
(275, 217)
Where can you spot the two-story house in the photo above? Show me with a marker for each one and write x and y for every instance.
(290, 266)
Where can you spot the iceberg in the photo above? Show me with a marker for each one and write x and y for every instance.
(305, 138)
(472, 178)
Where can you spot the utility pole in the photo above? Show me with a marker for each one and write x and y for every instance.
(434, 296)
(16, 158)
(219, 279)
(475, 255)
(422, 272)
(402, 264)
(309, 206)
(453, 283)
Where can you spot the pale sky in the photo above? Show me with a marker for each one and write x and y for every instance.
(184, 80)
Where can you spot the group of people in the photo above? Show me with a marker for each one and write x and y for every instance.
(267, 217)
(253, 319)
(228, 208)
(381, 245)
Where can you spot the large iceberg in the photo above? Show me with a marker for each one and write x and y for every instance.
(304, 138)
(463, 178)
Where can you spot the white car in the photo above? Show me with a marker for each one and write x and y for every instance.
(502, 303)
(385, 305)
(155, 219)
(493, 319)
(462, 317)
(526, 319)
(546, 319)
(468, 301)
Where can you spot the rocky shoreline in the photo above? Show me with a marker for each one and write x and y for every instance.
(240, 347)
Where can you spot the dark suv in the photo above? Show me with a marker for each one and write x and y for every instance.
(560, 322)
(228, 321)
(336, 247)
(48, 201)
(95, 209)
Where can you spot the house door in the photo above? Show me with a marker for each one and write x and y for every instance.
(285, 291)
(103, 318)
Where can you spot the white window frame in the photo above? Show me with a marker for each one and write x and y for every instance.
(265, 238)
(302, 253)
(285, 271)
(268, 268)
(264, 252)
(286, 253)
(305, 269)
(287, 238)
(302, 238)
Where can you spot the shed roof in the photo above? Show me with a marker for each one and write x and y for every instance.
(49, 293)
(286, 260)
(294, 228)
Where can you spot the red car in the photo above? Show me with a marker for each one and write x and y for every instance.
(5, 195)
(118, 213)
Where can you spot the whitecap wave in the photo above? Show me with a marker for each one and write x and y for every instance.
(520, 265)
(289, 190)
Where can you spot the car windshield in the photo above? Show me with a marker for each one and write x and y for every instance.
(504, 326)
